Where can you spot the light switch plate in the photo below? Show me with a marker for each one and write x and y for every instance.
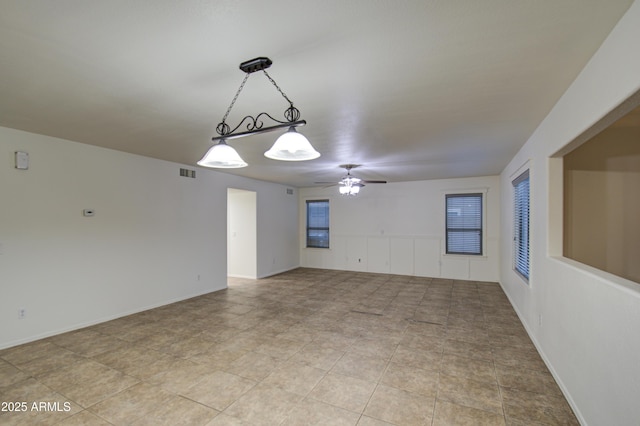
(22, 160)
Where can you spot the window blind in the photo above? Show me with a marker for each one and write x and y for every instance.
(318, 223)
(521, 224)
(464, 224)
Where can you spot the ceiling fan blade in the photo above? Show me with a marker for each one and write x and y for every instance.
(326, 184)
(374, 181)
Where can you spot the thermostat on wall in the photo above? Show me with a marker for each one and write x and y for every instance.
(22, 160)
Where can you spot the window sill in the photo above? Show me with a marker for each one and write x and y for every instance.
(469, 256)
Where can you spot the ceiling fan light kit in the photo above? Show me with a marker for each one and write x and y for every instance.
(349, 189)
(351, 185)
(291, 146)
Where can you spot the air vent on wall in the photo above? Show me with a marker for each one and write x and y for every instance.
(289, 191)
(188, 173)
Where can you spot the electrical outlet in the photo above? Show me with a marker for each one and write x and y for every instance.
(22, 313)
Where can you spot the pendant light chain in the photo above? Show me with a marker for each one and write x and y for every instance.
(224, 119)
(277, 87)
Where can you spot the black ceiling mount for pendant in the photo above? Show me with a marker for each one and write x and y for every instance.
(255, 124)
(257, 64)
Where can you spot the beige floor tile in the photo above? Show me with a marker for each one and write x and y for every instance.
(295, 377)
(423, 342)
(178, 411)
(374, 347)
(468, 350)
(311, 412)
(10, 375)
(370, 421)
(84, 418)
(360, 366)
(264, 405)
(219, 333)
(160, 339)
(87, 342)
(137, 361)
(253, 365)
(416, 380)
(280, 348)
(528, 407)
(335, 341)
(55, 360)
(223, 419)
(186, 348)
(243, 341)
(53, 416)
(134, 403)
(426, 360)
(299, 333)
(528, 380)
(181, 376)
(400, 407)
(217, 359)
(34, 394)
(470, 393)
(449, 414)
(318, 356)
(519, 357)
(345, 392)
(478, 370)
(219, 389)
(91, 390)
(20, 355)
(468, 334)
(28, 390)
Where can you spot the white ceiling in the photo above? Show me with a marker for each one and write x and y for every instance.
(412, 90)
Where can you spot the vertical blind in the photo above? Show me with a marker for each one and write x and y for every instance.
(521, 224)
(464, 223)
(318, 223)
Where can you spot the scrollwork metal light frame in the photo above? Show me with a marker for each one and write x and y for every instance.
(255, 125)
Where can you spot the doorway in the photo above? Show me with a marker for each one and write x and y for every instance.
(242, 240)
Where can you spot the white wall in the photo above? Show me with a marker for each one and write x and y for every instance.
(585, 323)
(155, 238)
(241, 234)
(276, 224)
(398, 228)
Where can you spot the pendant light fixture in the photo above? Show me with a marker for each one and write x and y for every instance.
(291, 146)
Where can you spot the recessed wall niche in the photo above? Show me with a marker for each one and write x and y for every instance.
(601, 196)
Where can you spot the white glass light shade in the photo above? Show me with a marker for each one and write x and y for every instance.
(349, 190)
(292, 146)
(222, 156)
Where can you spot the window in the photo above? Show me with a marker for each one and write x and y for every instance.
(464, 224)
(318, 223)
(521, 224)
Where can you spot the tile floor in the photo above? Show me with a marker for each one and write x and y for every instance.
(307, 347)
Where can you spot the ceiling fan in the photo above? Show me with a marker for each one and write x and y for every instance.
(349, 184)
